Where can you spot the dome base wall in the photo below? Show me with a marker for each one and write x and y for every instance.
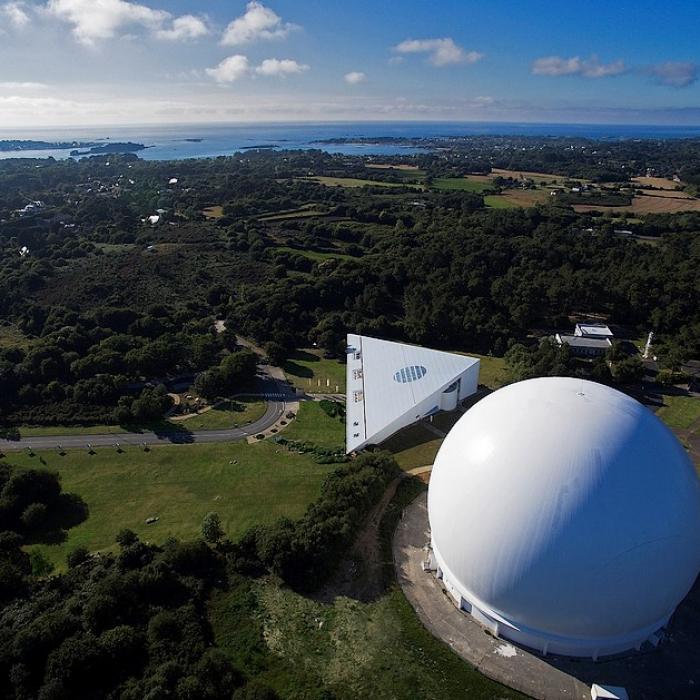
(542, 642)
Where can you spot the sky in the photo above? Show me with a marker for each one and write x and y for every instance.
(112, 62)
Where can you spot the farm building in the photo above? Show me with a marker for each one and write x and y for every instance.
(391, 385)
(565, 517)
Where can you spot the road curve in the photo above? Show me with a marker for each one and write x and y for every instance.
(275, 392)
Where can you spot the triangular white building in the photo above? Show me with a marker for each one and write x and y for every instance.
(391, 385)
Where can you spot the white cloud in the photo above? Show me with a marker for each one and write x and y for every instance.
(354, 77)
(11, 85)
(230, 69)
(678, 74)
(16, 14)
(95, 20)
(183, 28)
(258, 22)
(275, 67)
(442, 52)
(587, 68)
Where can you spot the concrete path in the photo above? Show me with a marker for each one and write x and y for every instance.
(670, 671)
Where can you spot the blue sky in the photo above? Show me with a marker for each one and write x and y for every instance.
(82, 62)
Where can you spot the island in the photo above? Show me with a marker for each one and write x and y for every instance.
(110, 148)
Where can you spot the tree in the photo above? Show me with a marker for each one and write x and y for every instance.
(211, 528)
(126, 537)
(209, 384)
(276, 353)
(628, 371)
(41, 566)
(34, 516)
(77, 557)
(238, 368)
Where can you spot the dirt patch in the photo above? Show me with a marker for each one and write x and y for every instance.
(661, 183)
(647, 204)
(359, 574)
(389, 166)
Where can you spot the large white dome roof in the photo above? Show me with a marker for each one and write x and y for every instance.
(566, 515)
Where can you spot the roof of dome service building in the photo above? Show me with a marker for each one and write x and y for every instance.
(566, 517)
(391, 385)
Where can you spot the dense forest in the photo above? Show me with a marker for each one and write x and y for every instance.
(111, 281)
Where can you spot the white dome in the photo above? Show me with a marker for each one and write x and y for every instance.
(565, 516)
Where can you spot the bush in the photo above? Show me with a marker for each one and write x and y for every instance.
(211, 528)
(334, 409)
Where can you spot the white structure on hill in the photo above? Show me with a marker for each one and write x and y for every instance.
(566, 517)
(391, 385)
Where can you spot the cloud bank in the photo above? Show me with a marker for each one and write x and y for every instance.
(16, 14)
(587, 68)
(236, 67)
(258, 22)
(98, 20)
(354, 77)
(678, 74)
(441, 52)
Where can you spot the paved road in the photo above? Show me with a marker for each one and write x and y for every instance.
(276, 393)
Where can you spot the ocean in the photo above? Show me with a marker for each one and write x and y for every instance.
(208, 141)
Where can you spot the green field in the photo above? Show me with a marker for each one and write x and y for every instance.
(310, 371)
(495, 201)
(228, 414)
(302, 212)
(317, 255)
(245, 484)
(216, 212)
(680, 412)
(356, 182)
(462, 184)
(313, 424)
(12, 337)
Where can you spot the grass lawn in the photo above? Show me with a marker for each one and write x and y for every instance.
(414, 446)
(245, 484)
(237, 412)
(228, 414)
(306, 368)
(493, 371)
(49, 430)
(463, 184)
(315, 425)
(679, 412)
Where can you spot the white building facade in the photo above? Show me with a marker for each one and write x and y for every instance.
(391, 385)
